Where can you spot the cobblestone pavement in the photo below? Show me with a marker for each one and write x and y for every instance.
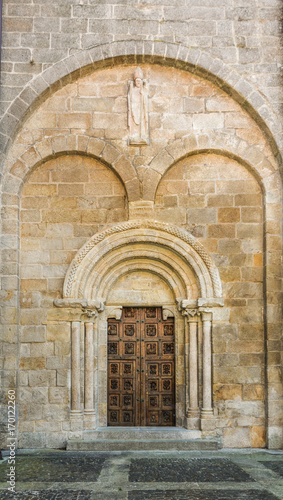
(222, 475)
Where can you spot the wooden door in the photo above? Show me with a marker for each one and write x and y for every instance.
(141, 369)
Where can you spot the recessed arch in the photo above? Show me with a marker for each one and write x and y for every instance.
(219, 143)
(56, 146)
(106, 55)
(178, 276)
(156, 240)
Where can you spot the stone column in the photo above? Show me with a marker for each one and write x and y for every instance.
(75, 371)
(187, 364)
(207, 410)
(89, 412)
(193, 410)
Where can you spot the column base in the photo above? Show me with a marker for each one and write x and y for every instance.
(89, 412)
(205, 414)
(89, 420)
(76, 414)
(76, 423)
(192, 423)
(193, 412)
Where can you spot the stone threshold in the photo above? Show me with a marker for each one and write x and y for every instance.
(142, 438)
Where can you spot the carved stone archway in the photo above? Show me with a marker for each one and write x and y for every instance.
(183, 264)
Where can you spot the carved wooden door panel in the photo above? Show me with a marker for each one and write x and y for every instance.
(157, 373)
(141, 373)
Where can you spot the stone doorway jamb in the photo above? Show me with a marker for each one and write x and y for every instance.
(198, 362)
(83, 316)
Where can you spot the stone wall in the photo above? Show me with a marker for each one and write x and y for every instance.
(211, 167)
(37, 35)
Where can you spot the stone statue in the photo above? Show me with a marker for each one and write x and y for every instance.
(138, 109)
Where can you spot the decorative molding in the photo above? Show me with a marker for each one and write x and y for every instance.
(174, 231)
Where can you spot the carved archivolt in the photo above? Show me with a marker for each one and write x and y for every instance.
(132, 240)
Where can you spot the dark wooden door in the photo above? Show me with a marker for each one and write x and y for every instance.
(141, 368)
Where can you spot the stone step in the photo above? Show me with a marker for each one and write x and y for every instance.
(141, 438)
(141, 445)
(141, 433)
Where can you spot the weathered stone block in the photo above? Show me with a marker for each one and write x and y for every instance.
(57, 412)
(253, 392)
(33, 333)
(60, 332)
(221, 231)
(42, 379)
(58, 395)
(237, 438)
(226, 392)
(33, 363)
(32, 440)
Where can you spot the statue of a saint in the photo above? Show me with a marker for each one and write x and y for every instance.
(138, 109)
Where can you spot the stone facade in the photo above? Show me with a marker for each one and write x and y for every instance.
(190, 222)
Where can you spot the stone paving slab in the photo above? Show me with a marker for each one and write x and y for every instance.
(274, 466)
(222, 475)
(54, 467)
(191, 470)
(201, 495)
(47, 495)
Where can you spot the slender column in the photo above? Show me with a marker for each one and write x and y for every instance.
(187, 377)
(193, 368)
(75, 374)
(207, 411)
(89, 365)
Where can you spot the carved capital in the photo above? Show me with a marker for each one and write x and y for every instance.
(90, 314)
(189, 309)
(192, 315)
